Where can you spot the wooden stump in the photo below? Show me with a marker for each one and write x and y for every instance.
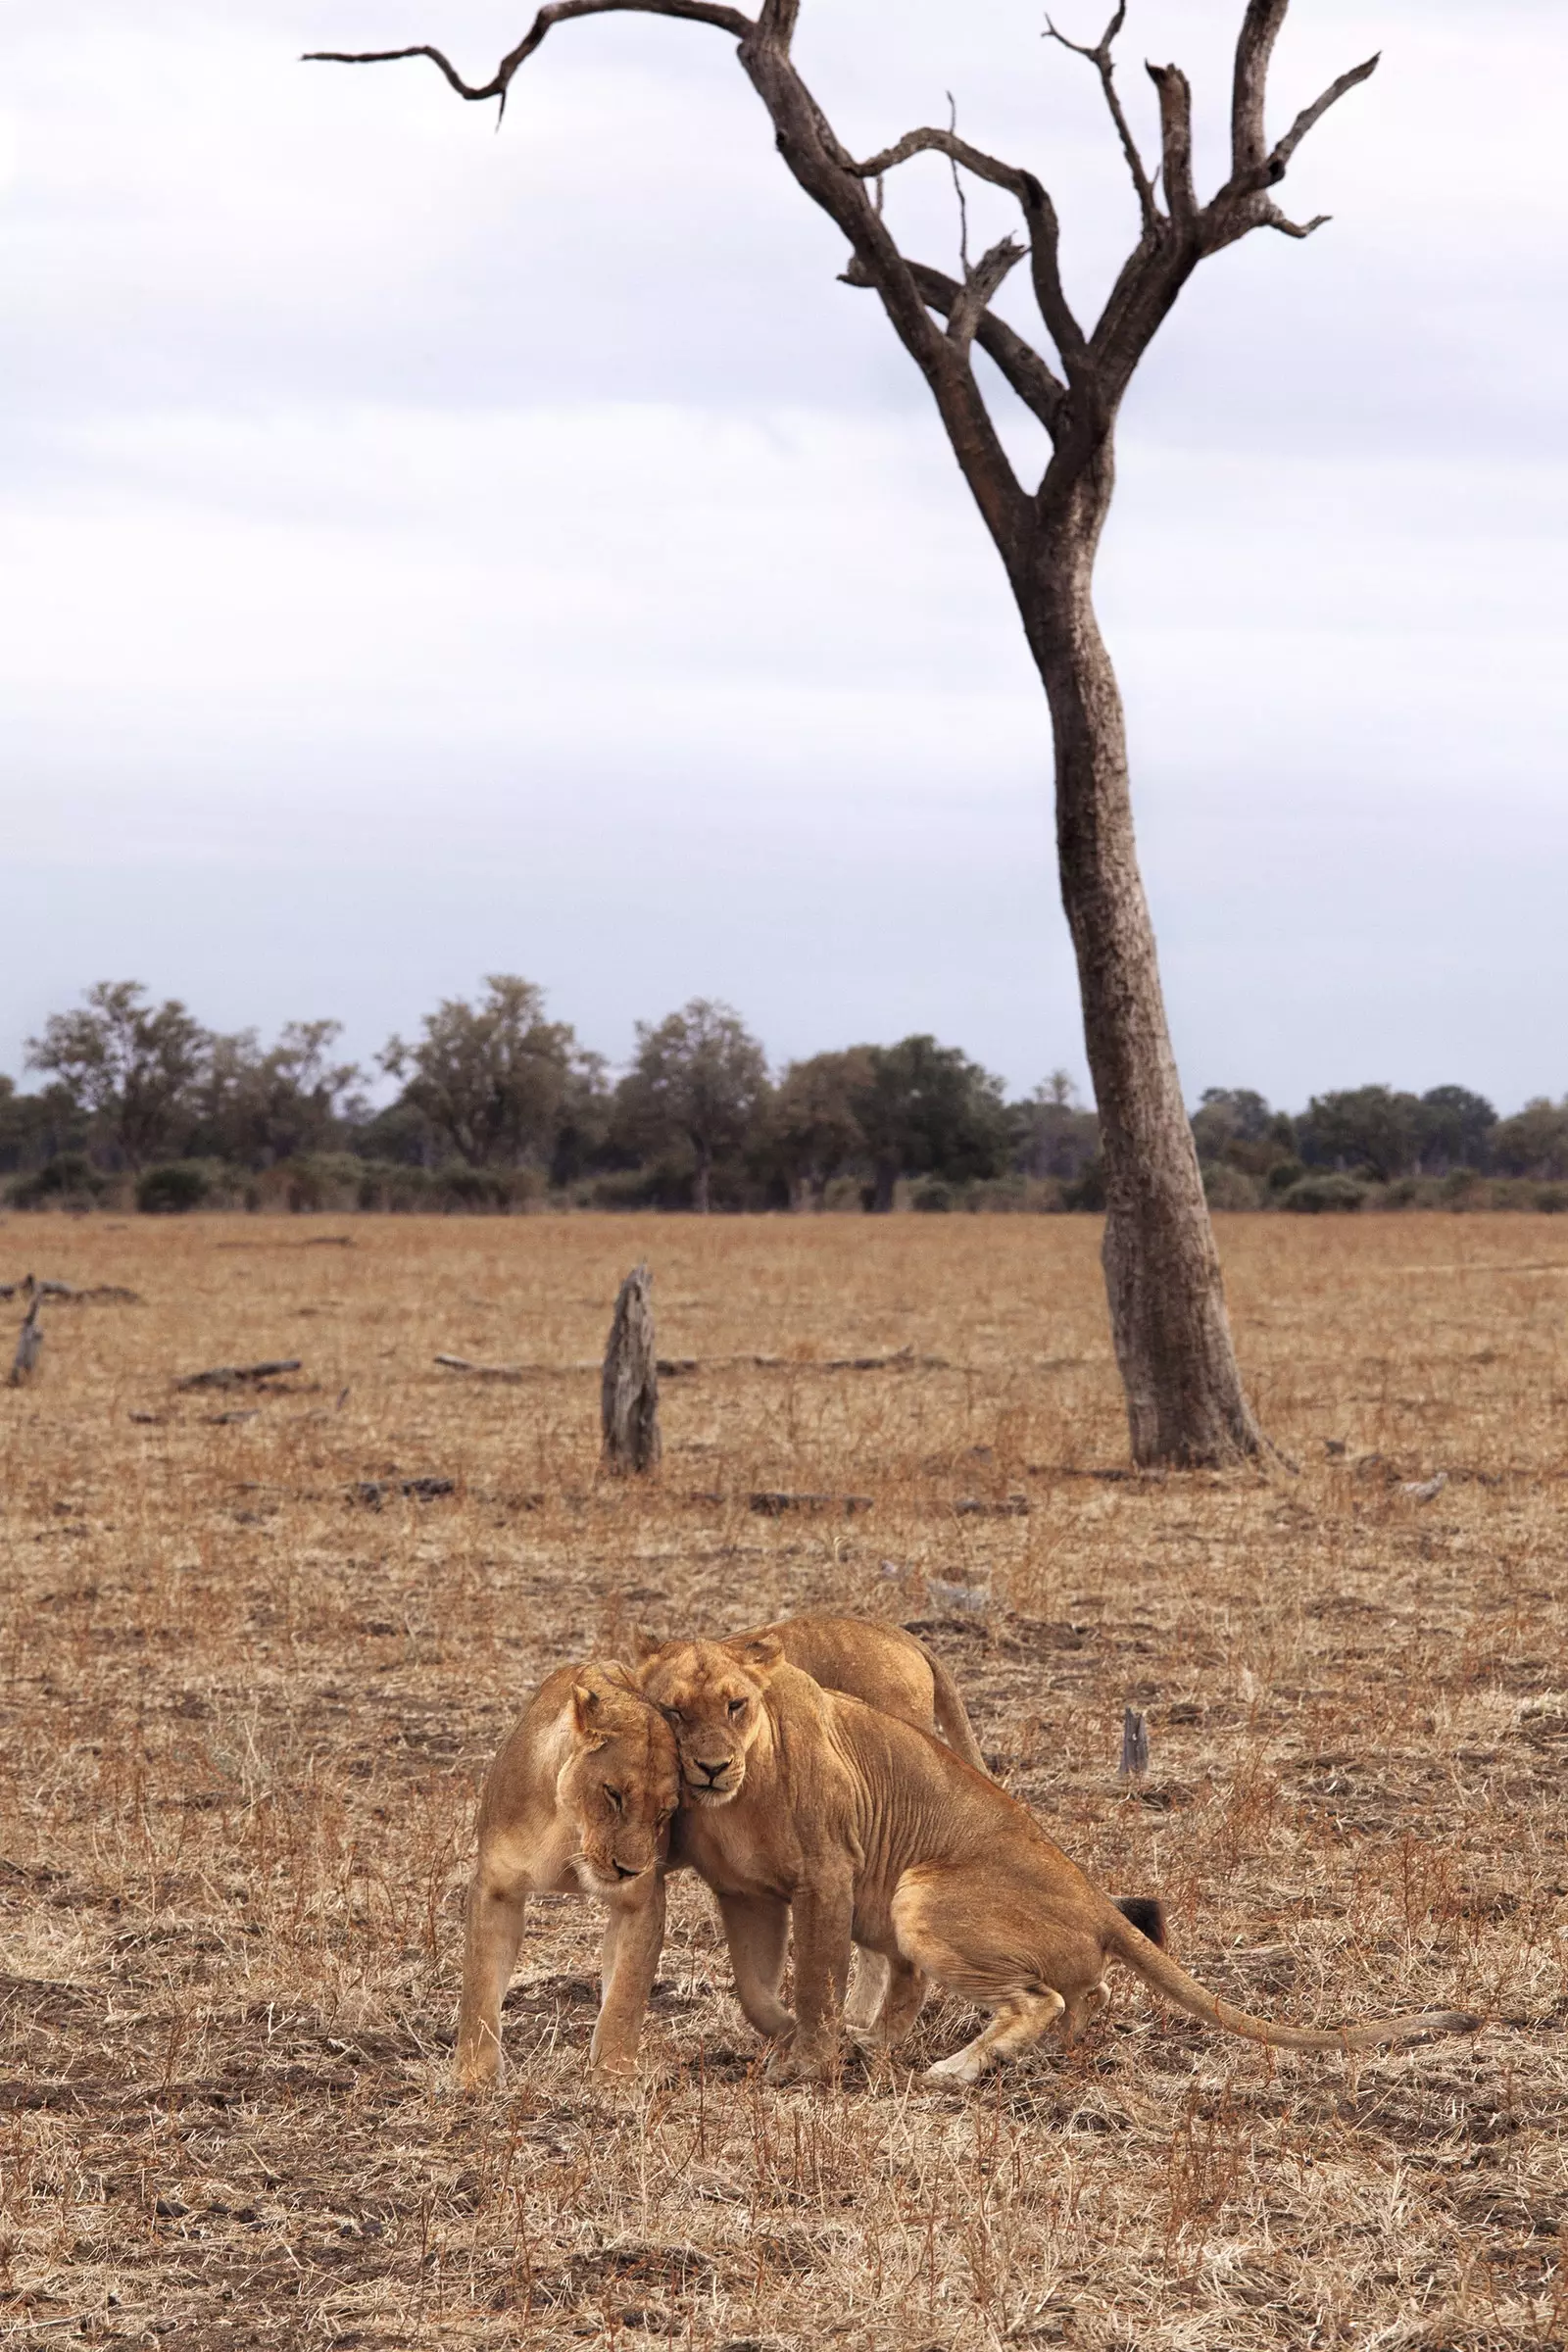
(1133, 1745)
(29, 1345)
(628, 1403)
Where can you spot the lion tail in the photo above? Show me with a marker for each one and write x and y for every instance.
(953, 1716)
(1156, 1968)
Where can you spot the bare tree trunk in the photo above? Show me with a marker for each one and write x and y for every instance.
(628, 1397)
(1185, 1403)
(1185, 1399)
(702, 1185)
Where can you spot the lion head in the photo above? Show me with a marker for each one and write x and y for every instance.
(620, 1780)
(710, 1695)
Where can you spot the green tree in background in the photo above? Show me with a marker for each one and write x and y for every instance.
(817, 1133)
(928, 1109)
(493, 1079)
(699, 1079)
(259, 1109)
(131, 1067)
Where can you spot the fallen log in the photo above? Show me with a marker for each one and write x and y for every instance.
(773, 1503)
(234, 1376)
(374, 1492)
(461, 1363)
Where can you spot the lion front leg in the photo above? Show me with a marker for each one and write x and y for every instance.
(757, 1929)
(824, 1917)
(634, 1938)
(493, 1924)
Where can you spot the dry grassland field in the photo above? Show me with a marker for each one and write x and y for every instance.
(249, 1684)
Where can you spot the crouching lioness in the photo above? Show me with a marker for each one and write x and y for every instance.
(579, 1799)
(797, 1800)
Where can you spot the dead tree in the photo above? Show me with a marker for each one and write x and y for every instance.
(628, 1396)
(29, 1345)
(1184, 1398)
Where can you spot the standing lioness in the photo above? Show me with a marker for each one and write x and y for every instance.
(794, 1797)
(578, 1799)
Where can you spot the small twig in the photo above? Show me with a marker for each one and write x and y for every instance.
(461, 1363)
(957, 188)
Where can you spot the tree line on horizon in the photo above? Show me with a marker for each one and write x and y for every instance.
(497, 1106)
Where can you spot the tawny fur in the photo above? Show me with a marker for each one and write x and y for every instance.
(883, 1665)
(799, 1799)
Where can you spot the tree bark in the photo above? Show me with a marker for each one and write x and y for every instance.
(701, 1183)
(1185, 1401)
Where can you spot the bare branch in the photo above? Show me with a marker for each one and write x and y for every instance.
(1176, 141)
(1036, 384)
(1280, 157)
(1270, 215)
(979, 285)
(1100, 57)
(1040, 216)
(557, 11)
(1255, 46)
(930, 141)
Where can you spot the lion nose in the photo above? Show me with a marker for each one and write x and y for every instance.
(715, 1772)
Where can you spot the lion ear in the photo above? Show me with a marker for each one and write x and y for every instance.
(585, 1708)
(759, 1653)
(645, 1645)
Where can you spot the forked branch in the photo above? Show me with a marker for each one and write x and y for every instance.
(1104, 65)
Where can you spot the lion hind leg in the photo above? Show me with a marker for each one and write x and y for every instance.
(1081, 2013)
(1015, 2026)
(868, 1985)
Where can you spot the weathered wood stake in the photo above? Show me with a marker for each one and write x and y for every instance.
(29, 1345)
(628, 1401)
(1133, 1745)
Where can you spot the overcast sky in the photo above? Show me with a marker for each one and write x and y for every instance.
(430, 553)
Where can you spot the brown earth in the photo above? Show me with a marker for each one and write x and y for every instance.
(248, 1685)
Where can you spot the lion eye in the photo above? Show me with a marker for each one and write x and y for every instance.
(613, 1794)
(737, 1706)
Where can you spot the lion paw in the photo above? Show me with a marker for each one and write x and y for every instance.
(962, 2067)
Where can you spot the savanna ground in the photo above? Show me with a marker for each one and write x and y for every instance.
(248, 1687)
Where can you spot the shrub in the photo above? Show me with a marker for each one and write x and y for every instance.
(933, 1197)
(1227, 1188)
(68, 1180)
(1317, 1196)
(1284, 1173)
(1087, 1190)
(1552, 1199)
(173, 1189)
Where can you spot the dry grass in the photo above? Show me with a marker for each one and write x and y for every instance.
(244, 1715)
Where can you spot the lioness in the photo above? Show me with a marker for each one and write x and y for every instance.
(880, 1663)
(579, 1798)
(796, 1797)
